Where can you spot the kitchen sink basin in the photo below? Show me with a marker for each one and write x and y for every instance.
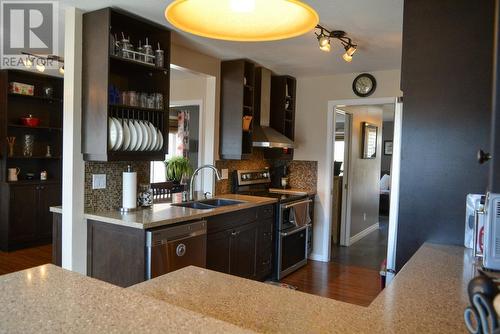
(195, 205)
(208, 203)
(220, 202)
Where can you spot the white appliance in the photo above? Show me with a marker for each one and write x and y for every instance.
(474, 223)
(491, 258)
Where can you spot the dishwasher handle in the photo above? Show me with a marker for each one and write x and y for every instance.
(168, 234)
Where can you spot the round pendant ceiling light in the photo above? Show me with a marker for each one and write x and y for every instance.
(242, 20)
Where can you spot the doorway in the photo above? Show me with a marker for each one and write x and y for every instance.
(368, 231)
(363, 200)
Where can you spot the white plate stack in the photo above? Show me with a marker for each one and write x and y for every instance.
(132, 135)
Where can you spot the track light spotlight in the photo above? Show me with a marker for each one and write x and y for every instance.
(324, 37)
(324, 43)
(346, 57)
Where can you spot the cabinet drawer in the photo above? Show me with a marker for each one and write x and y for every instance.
(266, 211)
(231, 220)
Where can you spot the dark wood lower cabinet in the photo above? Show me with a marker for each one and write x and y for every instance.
(116, 254)
(57, 239)
(238, 243)
(25, 219)
(241, 243)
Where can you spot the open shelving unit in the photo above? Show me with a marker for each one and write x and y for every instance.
(102, 69)
(283, 104)
(25, 219)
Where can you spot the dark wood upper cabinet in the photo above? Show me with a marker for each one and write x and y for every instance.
(237, 103)
(283, 103)
(103, 70)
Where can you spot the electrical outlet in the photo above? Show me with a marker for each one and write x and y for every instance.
(98, 181)
(225, 173)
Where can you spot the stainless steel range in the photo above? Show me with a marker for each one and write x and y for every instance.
(292, 225)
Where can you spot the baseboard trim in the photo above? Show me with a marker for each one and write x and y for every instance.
(317, 257)
(363, 233)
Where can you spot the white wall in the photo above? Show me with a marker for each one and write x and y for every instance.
(311, 123)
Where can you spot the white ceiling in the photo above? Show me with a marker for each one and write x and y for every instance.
(376, 26)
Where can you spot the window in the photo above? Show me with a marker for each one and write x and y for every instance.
(158, 167)
(339, 152)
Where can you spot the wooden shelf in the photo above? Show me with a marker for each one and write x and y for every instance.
(137, 64)
(34, 97)
(123, 106)
(40, 157)
(50, 128)
(37, 181)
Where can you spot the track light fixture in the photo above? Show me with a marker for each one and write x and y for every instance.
(41, 61)
(324, 36)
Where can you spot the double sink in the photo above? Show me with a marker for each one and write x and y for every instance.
(208, 203)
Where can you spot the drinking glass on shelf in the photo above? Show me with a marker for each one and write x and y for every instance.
(124, 98)
(159, 101)
(143, 100)
(29, 142)
(151, 101)
(133, 98)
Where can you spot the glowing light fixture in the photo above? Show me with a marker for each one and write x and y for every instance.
(243, 20)
(61, 70)
(324, 43)
(40, 67)
(324, 36)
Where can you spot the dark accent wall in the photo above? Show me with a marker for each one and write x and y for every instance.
(446, 82)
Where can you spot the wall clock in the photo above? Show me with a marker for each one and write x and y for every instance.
(364, 85)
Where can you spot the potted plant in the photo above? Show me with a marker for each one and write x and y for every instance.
(177, 167)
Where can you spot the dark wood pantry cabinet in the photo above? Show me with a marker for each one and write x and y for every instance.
(25, 219)
(109, 77)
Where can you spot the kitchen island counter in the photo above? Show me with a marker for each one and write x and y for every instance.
(428, 295)
(165, 213)
(48, 299)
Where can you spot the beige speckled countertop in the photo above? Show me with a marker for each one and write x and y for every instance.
(48, 299)
(428, 295)
(165, 213)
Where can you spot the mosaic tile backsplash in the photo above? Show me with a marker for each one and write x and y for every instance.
(110, 198)
(302, 174)
(256, 161)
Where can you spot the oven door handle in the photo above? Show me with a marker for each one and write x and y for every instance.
(297, 230)
(297, 203)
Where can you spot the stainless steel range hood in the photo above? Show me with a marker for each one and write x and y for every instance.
(263, 134)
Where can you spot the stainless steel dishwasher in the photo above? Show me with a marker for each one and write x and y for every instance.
(175, 247)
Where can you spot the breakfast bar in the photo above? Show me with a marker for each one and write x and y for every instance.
(428, 295)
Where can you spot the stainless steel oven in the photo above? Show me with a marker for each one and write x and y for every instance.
(292, 237)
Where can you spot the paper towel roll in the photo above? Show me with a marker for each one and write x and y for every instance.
(129, 196)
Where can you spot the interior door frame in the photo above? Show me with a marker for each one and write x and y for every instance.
(332, 106)
(345, 229)
(394, 197)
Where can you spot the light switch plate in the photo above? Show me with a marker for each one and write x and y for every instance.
(98, 181)
(225, 173)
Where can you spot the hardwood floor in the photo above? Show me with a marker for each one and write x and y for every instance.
(350, 284)
(25, 258)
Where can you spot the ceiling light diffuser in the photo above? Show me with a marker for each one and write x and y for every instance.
(243, 20)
